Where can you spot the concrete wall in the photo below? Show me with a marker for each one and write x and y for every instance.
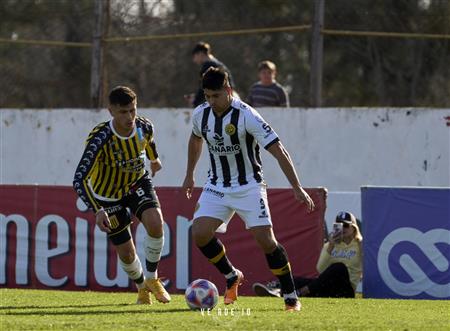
(338, 148)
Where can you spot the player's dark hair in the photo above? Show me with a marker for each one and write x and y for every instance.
(121, 95)
(215, 79)
(201, 47)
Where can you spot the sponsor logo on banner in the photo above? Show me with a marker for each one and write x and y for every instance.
(421, 282)
(53, 241)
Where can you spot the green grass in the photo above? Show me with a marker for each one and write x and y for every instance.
(56, 310)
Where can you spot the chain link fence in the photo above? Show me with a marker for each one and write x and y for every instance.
(45, 49)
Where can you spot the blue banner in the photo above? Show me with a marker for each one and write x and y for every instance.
(406, 242)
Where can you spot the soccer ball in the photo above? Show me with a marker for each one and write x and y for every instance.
(201, 293)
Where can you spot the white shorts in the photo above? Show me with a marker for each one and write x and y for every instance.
(249, 203)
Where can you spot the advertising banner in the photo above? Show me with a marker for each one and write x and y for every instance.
(406, 242)
(49, 240)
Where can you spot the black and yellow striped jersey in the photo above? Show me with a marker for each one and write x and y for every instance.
(111, 164)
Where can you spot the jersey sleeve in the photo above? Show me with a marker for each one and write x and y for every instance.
(149, 130)
(93, 150)
(196, 125)
(259, 128)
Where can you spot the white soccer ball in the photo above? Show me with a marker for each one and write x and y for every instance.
(201, 293)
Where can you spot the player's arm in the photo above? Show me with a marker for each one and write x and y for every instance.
(84, 169)
(286, 165)
(194, 152)
(151, 152)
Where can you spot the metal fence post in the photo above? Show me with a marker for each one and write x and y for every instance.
(101, 11)
(317, 54)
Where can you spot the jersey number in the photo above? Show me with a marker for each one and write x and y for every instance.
(140, 192)
(267, 127)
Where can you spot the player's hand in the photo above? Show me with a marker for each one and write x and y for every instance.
(188, 186)
(155, 166)
(102, 220)
(302, 196)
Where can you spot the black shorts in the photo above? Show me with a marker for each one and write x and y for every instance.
(141, 196)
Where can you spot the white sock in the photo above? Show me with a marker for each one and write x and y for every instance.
(292, 295)
(231, 274)
(153, 248)
(134, 270)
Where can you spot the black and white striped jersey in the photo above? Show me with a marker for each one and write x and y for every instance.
(233, 141)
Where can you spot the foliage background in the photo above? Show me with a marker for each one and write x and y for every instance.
(358, 71)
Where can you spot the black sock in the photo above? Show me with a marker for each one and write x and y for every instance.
(151, 266)
(280, 267)
(215, 252)
(140, 280)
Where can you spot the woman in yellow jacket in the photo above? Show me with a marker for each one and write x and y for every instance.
(339, 265)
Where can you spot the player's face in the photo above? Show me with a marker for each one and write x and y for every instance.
(219, 100)
(123, 118)
(266, 76)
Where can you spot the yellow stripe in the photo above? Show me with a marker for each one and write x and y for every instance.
(109, 190)
(125, 228)
(91, 197)
(282, 271)
(113, 221)
(150, 151)
(102, 188)
(217, 257)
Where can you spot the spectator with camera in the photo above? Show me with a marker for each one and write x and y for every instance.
(339, 265)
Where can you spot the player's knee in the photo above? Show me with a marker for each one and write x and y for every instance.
(268, 244)
(128, 256)
(200, 234)
(153, 222)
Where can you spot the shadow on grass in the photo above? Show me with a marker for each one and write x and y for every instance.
(42, 311)
(61, 306)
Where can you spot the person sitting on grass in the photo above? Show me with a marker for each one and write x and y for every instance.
(339, 265)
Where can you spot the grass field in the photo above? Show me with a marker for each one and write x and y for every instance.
(56, 310)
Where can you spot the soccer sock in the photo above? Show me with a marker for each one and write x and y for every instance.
(215, 252)
(153, 247)
(280, 267)
(134, 271)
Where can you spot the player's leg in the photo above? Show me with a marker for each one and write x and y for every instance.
(131, 264)
(203, 233)
(154, 242)
(120, 236)
(210, 214)
(144, 203)
(278, 262)
(252, 206)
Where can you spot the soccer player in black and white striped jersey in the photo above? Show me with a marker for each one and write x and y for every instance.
(233, 131)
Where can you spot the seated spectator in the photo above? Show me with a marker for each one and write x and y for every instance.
(267, 92)
(339, 265)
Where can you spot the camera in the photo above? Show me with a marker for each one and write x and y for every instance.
(337, 232)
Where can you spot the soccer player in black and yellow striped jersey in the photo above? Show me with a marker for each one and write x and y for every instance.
(111, 178)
